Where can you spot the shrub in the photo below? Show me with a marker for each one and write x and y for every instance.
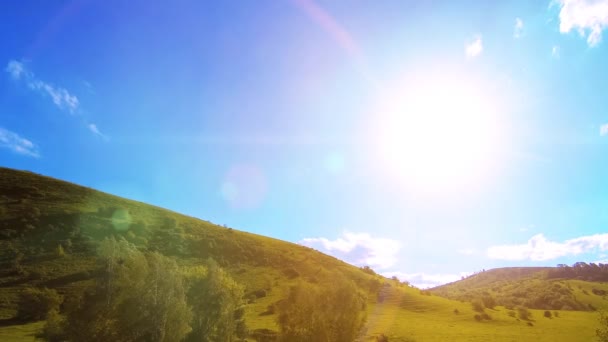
(456, 312)
(511, 313)
(478, 317)
(602, 331)
(523, 313)
(477, 305)
(382, 338)
(35, 304)
(59, 251)
(488, 301)
(53, 328)
(547, 314)
(530, 324)
(291, 273)
(486, 317)
(270, 310)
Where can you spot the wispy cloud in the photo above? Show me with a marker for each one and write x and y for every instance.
(604, 130)
(588, 17)
(93, 128)
(18, 144)
(60, 96)
(518, 29)
(555, 51)
(538, 248)
(359, 249)
(474, 48)
(426, 280)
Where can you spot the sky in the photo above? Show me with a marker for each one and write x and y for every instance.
(428, 140)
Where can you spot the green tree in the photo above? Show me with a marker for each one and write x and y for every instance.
(602, 331)
(139, 297)
(35, 304)
(217, 304)
(59, 251)
(334, 312)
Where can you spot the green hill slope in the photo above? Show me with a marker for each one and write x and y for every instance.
(50, 229)
(546, 288)
(39, 215)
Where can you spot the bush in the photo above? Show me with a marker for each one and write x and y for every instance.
(602, 331)
(523, 313)
(291, 273)
(478, 317)
(35, 304)
(477, 305)
(547, 314)
(382, 338)
(53, 328)
(456, 312)
(488, 301)
(60, 252)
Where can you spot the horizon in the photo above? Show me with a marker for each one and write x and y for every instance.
(428, 142)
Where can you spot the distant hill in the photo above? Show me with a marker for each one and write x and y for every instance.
(580, 287)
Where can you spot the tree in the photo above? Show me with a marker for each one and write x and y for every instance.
(217, 305)
(488, 301)
(335, 312)
(602, 331)
(139, 297)
(35, 304)
(59, 251)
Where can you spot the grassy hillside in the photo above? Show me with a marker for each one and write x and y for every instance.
(50, 229)
(39, 215)
(531, 287)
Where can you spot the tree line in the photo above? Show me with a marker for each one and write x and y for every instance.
(146, 296)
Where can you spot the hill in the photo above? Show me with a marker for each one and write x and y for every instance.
(580, 287)
(50, 231)
(39, 215)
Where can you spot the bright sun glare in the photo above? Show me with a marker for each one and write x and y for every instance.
(439, 134)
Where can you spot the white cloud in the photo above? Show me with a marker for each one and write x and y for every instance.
(604, 130)
(15, 69)
(538, 248)
(555, 51)
(93, 128)
(588, 17)
(518, 29)
(18, 144)
(360, 249)
(474, 48)
(60, 96)
(426, 280)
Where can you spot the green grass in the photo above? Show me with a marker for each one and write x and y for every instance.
(39, 213)
(20, 333)
(432, 318)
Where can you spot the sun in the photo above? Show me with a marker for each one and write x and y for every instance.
(439, 132)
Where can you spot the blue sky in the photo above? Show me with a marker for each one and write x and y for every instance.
(427, 141)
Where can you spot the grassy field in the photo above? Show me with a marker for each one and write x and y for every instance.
(39, 214)
(406, 315)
